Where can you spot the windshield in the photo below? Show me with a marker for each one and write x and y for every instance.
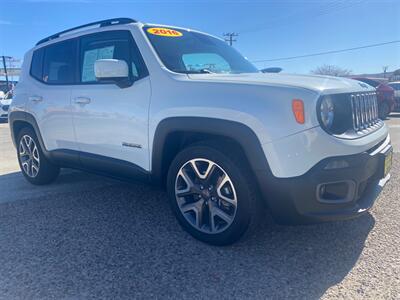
(185, 51)
(369, 81)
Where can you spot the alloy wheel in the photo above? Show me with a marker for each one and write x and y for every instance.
(206, 195)
(29, 156)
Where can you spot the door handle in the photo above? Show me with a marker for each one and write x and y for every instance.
(82, 100)
(36, 98)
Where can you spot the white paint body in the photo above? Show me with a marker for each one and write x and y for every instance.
(261, 101)
(110, 68)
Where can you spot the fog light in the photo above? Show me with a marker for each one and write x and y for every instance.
(337, 164)
(336, 192)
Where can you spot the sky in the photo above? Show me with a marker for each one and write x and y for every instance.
(269, 29)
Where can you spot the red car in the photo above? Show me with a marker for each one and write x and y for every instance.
(385, 93)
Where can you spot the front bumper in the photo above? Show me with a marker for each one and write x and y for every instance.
(356, 181)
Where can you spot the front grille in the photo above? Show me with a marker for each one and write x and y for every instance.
(5, 107)
(364, 108)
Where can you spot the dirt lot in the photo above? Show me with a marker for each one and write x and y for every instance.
(91, 237)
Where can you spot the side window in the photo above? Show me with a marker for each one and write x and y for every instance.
(37, 64)
(89, 58)
(110, 44)
(59, 63)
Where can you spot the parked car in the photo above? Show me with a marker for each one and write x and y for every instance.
(5, 101)
(386, 101)
(396, 86)
(182, 109)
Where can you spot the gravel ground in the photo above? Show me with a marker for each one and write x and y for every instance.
(88, 237)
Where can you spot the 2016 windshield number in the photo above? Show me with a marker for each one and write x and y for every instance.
(164, 32)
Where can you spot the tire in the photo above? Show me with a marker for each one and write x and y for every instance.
(384, 111)
(232, 194)
(35, 167)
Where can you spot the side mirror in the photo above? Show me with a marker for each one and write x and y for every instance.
(112, 70)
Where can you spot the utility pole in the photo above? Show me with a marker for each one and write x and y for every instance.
(385, 68)
(230, 37)
(5, 68)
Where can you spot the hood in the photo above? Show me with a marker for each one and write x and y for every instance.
(320, 84)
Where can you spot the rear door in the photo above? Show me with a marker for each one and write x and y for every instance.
(53, 70)
(111, 123)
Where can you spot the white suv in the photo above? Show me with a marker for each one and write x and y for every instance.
(182, 108)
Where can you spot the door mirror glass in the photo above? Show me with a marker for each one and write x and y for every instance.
(113, 70)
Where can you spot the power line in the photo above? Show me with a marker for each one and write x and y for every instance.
(293, 18)
(326, 52)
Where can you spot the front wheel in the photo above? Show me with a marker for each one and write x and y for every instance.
(36, 168)
(211, 194)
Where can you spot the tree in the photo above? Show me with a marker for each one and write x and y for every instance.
(331, 70)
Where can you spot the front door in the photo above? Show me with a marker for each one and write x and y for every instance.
(111, 123)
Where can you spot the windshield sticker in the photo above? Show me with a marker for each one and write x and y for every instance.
(164, 32)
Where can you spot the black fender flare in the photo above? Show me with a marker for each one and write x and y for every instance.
(25, 117)
(236, 131)
(64, 157)
(269, 186)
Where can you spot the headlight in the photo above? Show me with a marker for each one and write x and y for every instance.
(327, 113)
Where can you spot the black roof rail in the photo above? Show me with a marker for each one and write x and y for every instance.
(103, 23)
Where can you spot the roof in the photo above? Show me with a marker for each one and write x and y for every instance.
(102, 23)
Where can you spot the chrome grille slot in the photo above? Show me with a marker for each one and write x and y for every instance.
(367, 123)
(371, 109)
(368, 102)
(371, 113)
(364, 110)
(361, 112)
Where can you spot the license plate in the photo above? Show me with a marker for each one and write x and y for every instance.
(388, 162)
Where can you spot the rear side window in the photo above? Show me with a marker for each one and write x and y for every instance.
(60, 62)
(37, 64)
(110, 45)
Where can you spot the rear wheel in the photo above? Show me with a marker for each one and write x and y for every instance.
(36, 168)
(211, 194)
